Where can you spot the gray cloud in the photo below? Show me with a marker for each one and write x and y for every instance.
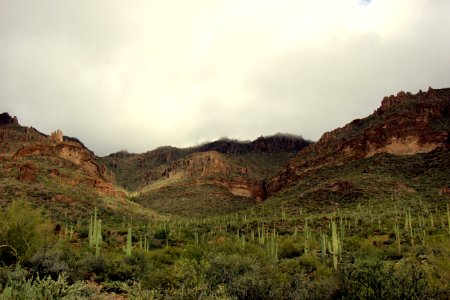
(143, 74)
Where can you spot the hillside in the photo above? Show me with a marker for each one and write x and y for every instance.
(57, 173)
(212, 178)
(405, 124)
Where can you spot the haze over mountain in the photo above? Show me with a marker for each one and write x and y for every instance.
(142, 74)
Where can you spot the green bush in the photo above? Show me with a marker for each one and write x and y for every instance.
(289, 249)
(21, 285)
(162, 233)
(21, 232)
(370, 279)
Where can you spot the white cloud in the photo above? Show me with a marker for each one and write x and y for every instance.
(142, 74)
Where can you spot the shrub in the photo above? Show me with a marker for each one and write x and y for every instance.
(379, 280)
(20, 232)
(288, 249)
(20, 285)
(162, 234)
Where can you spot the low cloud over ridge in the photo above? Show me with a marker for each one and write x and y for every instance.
(142, 74)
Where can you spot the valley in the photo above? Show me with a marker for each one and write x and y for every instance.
(362, 213)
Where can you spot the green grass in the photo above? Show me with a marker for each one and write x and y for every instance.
(189, 199)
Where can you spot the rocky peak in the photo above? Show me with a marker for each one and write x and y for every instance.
(391, 102)
(6, 119)
(57, 136)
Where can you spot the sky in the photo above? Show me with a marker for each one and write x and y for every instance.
(134, 75)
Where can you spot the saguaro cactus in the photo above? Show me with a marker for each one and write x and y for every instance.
(335, 244)
(129, 241)
(95, 233)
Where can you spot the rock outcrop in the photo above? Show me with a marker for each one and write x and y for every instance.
(200, 164)
(405, 124)
(70, 151)
(212, 168)
(6, 119)
(57, 136)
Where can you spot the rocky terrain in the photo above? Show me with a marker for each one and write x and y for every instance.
(49, 166)
(213, 173)
(405, 124)
(225, 174)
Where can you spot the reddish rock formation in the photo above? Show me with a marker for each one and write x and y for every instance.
(107, 188)
(57, 136)
(212, 168)
(242, 187)
(27, 172)
(200, 164)
(70, 151)
(99, 176)
(404, 124)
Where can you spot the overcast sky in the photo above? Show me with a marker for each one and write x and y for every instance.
(136, 75)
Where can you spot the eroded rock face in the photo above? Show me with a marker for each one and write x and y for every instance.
(108, 189)
(79, 156)
(405, 124)
(200, 164)
(70, 151)
(212, 168)
(241, 187)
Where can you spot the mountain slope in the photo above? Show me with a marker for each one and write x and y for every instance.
(57, 173)
(405, 124)
(213, 178)
(227, 175)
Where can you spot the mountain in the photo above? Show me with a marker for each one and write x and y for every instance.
(405, 124)
(61, 174)
(227, 175)
(56, 172)
(212, 178)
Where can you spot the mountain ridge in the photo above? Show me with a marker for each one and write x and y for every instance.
(229, 172)
(404, 124)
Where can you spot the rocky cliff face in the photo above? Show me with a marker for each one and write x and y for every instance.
(70, 151)
(20, 145)
(404, 124)
(213, 168)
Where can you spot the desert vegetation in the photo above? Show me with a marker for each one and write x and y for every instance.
(384, 249)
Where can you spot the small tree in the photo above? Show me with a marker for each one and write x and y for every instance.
(20, 232)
